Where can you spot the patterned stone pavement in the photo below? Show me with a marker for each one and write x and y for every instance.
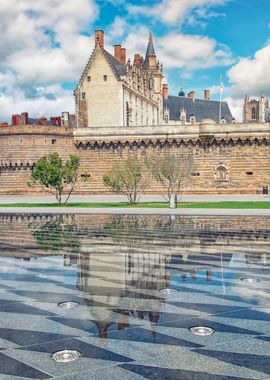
(124, 326)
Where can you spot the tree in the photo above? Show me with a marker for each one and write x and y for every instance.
(55, 175)
(129, 178)
(172, 171)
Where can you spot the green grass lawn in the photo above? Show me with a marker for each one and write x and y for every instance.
(232, 205)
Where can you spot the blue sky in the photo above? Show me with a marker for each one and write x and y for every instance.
(45, 45)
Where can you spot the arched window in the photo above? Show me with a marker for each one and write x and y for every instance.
(253, 113)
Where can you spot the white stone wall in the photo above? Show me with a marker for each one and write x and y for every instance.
(104, 98)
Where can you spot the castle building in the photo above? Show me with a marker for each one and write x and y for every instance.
(256, 110)
(113, 92)
(186, 110)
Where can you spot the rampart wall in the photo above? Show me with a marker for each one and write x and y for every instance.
(227, 158)
(21, 146)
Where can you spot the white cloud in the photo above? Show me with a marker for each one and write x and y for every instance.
(251, 75)
(42, 43)
(187, 52)
(17, 102)
(171, 11)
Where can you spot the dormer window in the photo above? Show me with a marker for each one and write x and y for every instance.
(223, 121)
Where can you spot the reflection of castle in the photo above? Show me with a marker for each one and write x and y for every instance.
(126, 285)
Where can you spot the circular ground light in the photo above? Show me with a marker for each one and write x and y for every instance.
(250, 280)
(66, 356)
(168, 291)
(202, 330)
(68, 304)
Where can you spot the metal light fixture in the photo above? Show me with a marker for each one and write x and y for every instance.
(168, 291)
(66, 356)
(68, 304)
(202, 330)
(250, 280)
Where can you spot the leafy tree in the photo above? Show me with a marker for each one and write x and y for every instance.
(172, 172)
(129, 178)
(56, 176)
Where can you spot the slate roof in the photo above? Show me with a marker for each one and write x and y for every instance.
(34, 121)
(117, 66)
(200, 108)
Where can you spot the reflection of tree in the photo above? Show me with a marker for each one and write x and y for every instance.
(148, 232)
(56, 235)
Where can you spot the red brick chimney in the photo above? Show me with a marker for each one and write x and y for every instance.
(117, 52)
(43, 120)
(137, 59)
(16, 119)
(123, 56)
(99, 38)
(192, 95)
(206, 94)
(165, 91)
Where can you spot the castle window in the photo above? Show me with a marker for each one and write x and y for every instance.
(253, 113)
(192, 119)
(127, 114)
(53, 141)
(249, 173)
(195, 174)
(221, 173)
(88, 79)
(105, 77)
(83, 95)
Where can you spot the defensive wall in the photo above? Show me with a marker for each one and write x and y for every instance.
(21, 146)
(232, 158)
(228, 158)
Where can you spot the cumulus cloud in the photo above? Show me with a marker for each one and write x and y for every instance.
(250, 75)
(187, 52)
(42, 43)
(171, 11)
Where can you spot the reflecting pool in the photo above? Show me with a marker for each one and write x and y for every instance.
(134, 297)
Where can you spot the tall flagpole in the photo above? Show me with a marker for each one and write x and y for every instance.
(220, 96)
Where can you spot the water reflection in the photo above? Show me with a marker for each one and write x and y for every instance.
(117, 265)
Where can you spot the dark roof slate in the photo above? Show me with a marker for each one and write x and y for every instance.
(200, 108)
(34, 121)
(117, 66)
(150, 51)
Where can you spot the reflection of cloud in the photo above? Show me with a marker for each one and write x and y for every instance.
(250, 291)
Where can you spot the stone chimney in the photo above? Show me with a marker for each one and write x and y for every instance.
(137, 60)
(117, 52)
(123, 58)
(192, 95)
(165, 91)
(206, 94)
(99, 38)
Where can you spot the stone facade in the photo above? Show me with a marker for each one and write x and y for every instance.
(256, 110)
(112, 92)
(21, 146)
(227, 159)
